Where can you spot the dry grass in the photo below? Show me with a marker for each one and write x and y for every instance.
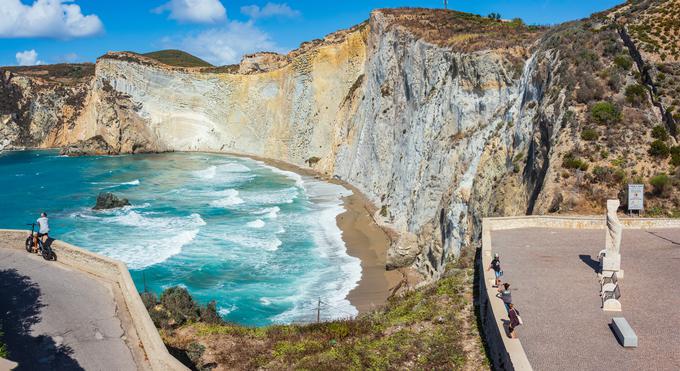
(655, 26)
(61, 73)
(463, 31)
(433, 328)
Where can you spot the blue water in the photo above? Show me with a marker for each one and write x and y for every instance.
(260, 241)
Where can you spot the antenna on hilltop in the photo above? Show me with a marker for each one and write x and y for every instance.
(446, 4)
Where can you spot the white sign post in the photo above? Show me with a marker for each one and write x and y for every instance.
(636, 195)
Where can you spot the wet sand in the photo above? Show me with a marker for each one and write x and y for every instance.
(367, 241)
(363, 237)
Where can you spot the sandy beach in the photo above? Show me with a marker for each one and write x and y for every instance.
(363, 237)
(367, 241)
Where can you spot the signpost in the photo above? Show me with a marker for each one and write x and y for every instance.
(636, 195)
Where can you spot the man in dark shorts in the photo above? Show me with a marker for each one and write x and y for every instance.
(43, 230)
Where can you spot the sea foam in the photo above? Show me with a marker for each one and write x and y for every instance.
(231, 198)
(258, 223)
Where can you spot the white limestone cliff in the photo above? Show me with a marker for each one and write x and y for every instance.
(428, 133)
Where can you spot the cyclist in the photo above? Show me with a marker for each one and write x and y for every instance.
(43, 230)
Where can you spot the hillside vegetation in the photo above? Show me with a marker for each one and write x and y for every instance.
(432, 328)
(177, 58)
(462, 31)
(60, 73)
(621, 124)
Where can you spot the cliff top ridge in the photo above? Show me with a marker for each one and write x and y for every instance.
(463, 31)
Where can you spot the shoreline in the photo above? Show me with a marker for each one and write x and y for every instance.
(366, 240)
(363, 237)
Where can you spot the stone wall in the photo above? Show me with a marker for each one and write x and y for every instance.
(116, 272)
(505, 353)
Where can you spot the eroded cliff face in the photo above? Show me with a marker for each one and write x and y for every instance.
(438, 134)
(409, 123)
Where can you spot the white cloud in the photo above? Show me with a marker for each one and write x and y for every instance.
(194, 11)
(226, 45)
(28, 58)
(269, 10)
(61, 19)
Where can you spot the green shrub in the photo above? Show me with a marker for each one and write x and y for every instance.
(589, 134)
(572, 162)
(149, 299)
(3, 347)
(517, 22)
(607, 174)
(659, 149)
(194, 352)
(636, 94)
(675, 155)
(179, 304)
(661, 184)
(605, 113)
(659, 132)
(623, 61)
(208, 313)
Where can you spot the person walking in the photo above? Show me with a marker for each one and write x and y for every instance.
(505, 295)
(496, 266)
(515, 320)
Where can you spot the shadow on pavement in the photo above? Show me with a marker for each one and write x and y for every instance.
(594, 264)
(20, 308)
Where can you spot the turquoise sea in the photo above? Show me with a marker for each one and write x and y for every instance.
(261, 241)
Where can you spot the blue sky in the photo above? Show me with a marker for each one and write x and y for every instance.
(220, 31)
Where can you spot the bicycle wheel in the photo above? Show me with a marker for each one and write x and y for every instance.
(46, 253)
(29, 244)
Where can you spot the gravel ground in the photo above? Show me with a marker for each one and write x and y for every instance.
(555, 288)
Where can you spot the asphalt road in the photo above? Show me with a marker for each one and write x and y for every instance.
(55, 318)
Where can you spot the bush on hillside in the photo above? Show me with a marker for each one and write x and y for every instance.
(675, 155)
(149, 299)
(572, 162)
(609, 175)
(208, 313)
(176, 307)
(661, 184)
(517, 22)
(659, 149)
(605, 113)
(623, 61)
(589, 90)
(589, 134)
(180, 305)
(660, 133)
(636, 94)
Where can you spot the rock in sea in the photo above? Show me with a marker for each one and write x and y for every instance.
(93, 146)
(107, 200)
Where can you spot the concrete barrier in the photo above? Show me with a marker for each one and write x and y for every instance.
(116, 272)
(506, 353)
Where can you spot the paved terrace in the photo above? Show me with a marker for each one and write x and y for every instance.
(54, 317)
(80, 312)
(555, 288)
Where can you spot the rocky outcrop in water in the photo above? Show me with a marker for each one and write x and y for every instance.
(440, 118)
(107, 200)
(93, 146)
